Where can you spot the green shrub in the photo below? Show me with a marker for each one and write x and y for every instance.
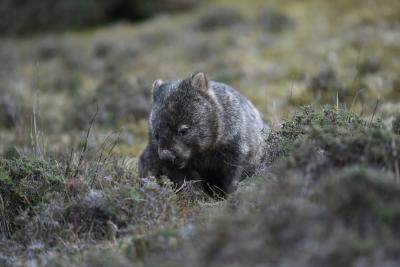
(25, 182)
(42, 203)
(338, 135)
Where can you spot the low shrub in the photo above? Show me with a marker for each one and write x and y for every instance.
(274, 21)
(220, 17)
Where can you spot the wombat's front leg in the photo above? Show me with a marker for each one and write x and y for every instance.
(231, 179)
(150, 164)
(223, 183)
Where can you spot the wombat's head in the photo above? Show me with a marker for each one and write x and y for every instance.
(184, 118)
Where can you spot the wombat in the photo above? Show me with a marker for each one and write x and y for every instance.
(203, 130)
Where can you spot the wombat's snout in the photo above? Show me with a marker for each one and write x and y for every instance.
(167, 155)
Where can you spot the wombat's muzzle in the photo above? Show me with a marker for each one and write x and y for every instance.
(167, 155)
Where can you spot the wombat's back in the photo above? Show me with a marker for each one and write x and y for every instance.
(242, 123)
(238, 111)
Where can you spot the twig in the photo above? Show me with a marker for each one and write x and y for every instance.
(355, 99)
(375, 109)
(185, 184)
(181, 187)
(337, 102)
(69, 162)
(86, 142)
(356, 81)
(215, 193)
(35, 132)
(102, 160)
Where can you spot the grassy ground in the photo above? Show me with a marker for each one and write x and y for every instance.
(329, 198)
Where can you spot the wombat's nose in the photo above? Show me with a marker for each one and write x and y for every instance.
(167, 155)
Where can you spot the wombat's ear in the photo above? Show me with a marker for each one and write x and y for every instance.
(156, 85)
(199, 81)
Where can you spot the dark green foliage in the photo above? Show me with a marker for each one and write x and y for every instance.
(334, 137)
(25, 182)
(38, 204)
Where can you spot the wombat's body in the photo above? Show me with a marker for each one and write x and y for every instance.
(202, 130)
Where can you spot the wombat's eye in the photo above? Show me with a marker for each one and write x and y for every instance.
(183, 130)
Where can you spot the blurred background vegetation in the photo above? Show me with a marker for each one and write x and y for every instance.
(72, 57)
(27, 17)
(64, 63)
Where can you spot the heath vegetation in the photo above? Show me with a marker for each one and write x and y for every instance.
(74, 102)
